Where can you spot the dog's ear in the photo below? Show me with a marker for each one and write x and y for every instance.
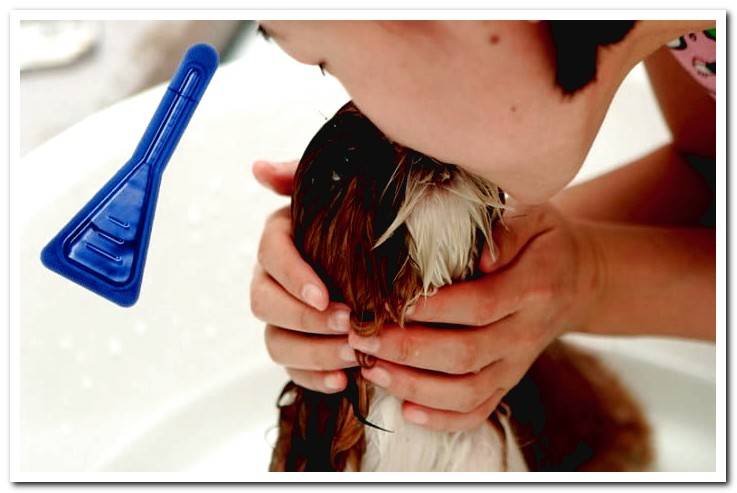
(348, 189)
(319, 432)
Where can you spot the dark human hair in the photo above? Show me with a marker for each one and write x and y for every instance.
(577, 44)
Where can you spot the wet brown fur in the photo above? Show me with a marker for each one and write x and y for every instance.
(568, 413)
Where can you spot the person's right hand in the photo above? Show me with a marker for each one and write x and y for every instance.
(305, 332)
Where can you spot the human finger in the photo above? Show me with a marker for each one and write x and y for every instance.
(283, 262)
(453, 351)
(272, 304)
(476, 302)
(278, 177)
(327, 382)
(459, 393)
(520, 227)
(442, 420)
(303, 351)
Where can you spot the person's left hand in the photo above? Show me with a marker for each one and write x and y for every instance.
(542, 283)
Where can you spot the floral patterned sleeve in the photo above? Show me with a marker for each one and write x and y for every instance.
(696, 52)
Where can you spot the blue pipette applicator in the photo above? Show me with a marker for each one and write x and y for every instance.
(103, 247)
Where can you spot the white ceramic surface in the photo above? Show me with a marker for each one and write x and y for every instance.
(181, 381)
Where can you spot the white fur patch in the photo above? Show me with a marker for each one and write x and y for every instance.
(444, 209)
(414, 448)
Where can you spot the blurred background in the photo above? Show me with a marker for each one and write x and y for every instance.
(70, 69)
(182, 382)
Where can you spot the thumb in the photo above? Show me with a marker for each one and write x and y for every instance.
(279, 177)
(519, 226)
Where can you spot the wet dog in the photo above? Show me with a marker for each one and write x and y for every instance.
(384, 226)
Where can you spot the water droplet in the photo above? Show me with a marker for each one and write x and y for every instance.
(114, 346)
(65, 342)
(140, 327)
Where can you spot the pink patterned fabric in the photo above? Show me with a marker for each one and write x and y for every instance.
(696, 52)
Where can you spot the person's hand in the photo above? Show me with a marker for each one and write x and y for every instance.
(542, 283)
(305, 332)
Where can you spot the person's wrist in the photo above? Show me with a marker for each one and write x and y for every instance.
(591, 279)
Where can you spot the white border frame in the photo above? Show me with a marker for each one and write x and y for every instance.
(721, 208)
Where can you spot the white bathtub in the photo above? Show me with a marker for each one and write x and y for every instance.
(181, 381)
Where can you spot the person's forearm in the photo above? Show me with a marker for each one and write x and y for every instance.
(652, 281)
(658, 189)
(649, 35)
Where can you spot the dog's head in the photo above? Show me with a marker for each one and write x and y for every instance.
(383, 224)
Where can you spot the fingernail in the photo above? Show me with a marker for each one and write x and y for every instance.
(347, 353)
(312, 295)
(261, 162)
(416, 416)
(339, 321)
(379, 376)
(333, 382)
(369, 345)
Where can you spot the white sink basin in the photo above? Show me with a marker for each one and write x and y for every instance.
(181, 381)
(225, 429)
(228, 427)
